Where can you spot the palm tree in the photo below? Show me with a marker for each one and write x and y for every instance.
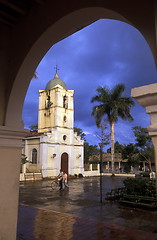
(114, 105)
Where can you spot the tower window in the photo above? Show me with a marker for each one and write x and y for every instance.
(65, 102)
(65, 118)
(64, 137)
(48, 102)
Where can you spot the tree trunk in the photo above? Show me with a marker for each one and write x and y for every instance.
(150, 165)
(148, 161)
(112, 147)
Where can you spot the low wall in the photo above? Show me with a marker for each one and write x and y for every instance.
(30, 176)
(120, 174)
(96, 173)
(90, 172)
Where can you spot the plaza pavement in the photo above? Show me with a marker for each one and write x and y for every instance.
(40, 224)
(46, 214)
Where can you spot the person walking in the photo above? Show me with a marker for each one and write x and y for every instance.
(65, 180)
(60, 179)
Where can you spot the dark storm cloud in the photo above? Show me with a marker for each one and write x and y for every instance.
(105, 53)
(30, 114)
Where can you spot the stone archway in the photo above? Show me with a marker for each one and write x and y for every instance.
(65, 162)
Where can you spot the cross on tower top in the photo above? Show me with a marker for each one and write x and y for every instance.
(56, 67)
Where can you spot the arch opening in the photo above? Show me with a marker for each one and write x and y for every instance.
(64, 27)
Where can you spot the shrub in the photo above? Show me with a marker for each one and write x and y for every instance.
(140, 186)
(24, 159)
(145, 174)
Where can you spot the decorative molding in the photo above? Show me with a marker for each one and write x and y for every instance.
(11, 137)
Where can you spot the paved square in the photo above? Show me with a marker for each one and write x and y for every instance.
(77, 214)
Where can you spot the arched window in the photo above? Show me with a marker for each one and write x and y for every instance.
(34, 156)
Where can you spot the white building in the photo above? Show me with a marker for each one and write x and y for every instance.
(56, 146)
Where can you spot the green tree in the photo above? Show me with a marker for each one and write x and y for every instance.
(24, 159)
(118, 148)
(80, 132)
(144, 145)
(142, 138)
(103, 134)
(34, 127)
(89, 150)
(113, 104)
(126, 150)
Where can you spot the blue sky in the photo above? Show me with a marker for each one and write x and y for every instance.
(105, 53)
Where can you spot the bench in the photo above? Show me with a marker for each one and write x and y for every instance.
(139, 201)
(115, 194)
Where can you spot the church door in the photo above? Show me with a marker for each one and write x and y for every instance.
(64, 162)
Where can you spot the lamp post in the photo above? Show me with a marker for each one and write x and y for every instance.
(101, 147)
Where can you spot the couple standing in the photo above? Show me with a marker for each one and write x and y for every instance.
(63, 180)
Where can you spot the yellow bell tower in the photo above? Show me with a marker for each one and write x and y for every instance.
(56, 108)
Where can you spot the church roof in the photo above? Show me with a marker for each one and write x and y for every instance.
(33, 134)
(53, 82)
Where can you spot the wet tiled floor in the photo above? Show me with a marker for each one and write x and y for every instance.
(40, 224)
(77, 214)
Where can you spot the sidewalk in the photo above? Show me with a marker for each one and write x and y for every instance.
(39, 224)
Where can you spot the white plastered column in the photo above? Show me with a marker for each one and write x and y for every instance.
(10, 157)
(146, 96)
(44, 154)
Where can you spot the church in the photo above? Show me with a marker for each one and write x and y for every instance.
(55, 146)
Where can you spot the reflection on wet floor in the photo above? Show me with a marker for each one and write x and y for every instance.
(51, 225)
(68, 213)
(61, 227)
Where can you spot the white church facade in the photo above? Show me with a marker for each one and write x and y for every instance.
(56, 146)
